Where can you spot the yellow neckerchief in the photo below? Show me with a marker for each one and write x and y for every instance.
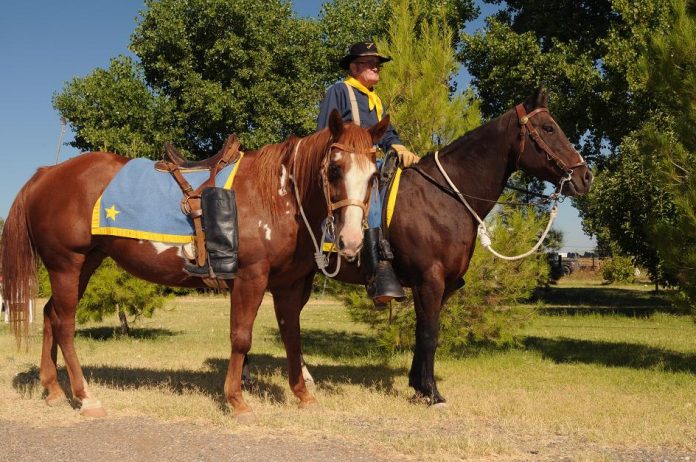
(372, 98)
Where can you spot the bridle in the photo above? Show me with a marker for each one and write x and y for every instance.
(526, 128)
(326, 186)
(329, 227)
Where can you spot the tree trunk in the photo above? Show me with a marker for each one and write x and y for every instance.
(125, 330)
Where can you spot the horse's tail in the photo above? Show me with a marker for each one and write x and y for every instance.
(19, 266)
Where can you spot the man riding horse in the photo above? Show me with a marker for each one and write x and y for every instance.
(356, 101)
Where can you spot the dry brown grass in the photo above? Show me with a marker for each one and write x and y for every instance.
(574, 391)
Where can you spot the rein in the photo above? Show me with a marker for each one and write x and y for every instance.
(329, 229)
(453, 193)
(525, 128)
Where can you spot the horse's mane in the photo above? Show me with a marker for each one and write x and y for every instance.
(305, 168)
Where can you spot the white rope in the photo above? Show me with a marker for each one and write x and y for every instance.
(483, 235)
(321, 260)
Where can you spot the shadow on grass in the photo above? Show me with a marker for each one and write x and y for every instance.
(211, 381)
(603, 300)
(111, 333)
(377, 376)
(334, 344)
(565, 350)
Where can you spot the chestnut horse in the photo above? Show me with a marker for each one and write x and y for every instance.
(51, 217)
(432, 234)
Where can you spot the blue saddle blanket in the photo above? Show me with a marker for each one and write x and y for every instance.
(143, 203)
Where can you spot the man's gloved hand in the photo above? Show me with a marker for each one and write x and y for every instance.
(406, 157)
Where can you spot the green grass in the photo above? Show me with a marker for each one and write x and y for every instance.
(588, 383)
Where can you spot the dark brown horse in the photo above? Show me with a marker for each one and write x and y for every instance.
(432, 233)
(51, 218)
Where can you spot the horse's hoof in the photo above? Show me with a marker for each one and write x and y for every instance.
(92, 408)
(246, 418)
(440, 406)
(419, 399)
(311, 403)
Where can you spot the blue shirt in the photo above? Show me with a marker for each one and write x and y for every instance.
(337, 98)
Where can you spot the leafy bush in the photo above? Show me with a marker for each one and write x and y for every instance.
(487, 310)
(112, 290)
(44, 285)
(618, 269)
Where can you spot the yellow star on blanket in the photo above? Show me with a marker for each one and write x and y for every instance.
(111, 212)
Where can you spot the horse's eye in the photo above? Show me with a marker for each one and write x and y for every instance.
(334, 173)
(548, 128)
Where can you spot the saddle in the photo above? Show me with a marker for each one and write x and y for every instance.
(389, 166)
(172, 155)
(174, 163)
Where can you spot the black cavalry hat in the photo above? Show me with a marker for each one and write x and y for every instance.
(362, 49)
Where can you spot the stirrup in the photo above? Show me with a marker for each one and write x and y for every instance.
(207, 272)
(385, 286)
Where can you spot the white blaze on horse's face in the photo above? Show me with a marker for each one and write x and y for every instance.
(357, 180)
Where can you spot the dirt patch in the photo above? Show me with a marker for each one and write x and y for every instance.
(143, 439)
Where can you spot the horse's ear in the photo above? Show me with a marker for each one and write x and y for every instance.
(538, 99)
(377, 130)
(335, 124)
(542, 98)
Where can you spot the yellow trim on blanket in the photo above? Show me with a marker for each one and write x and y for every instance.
(147, 235)
(391, 200)
(233, 173)
(95, 214)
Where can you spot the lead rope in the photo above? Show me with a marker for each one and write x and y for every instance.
(321, 260)
(483, 235)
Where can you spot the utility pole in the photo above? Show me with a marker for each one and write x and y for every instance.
(60, 137)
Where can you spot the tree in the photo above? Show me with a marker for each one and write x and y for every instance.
(599, 95)
(415, 86)
(206, 68)
(344, 22)
(589, 68)
(669, 66)
(625, 204)
(112, 290)
(114, 110)
(554, 240)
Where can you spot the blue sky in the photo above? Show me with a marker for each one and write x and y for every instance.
(44, 44)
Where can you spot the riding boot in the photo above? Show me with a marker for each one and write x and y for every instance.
(221, 235)
(383, 285)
